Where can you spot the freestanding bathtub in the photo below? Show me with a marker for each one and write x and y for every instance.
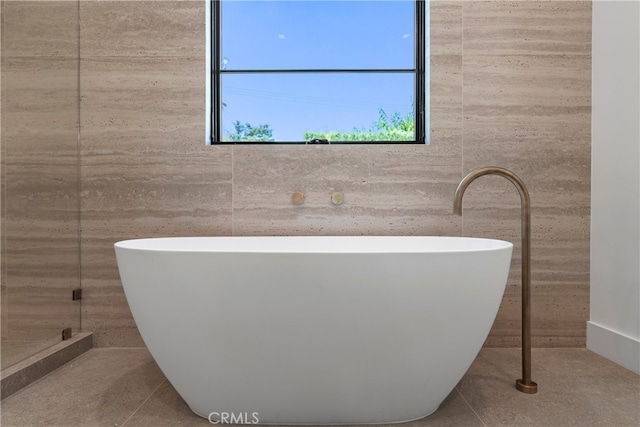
(314, 330)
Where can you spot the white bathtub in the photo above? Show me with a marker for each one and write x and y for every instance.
(314, 330)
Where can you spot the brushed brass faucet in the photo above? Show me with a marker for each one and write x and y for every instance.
(524, 384)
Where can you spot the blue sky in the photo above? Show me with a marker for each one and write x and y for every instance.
(318, 35)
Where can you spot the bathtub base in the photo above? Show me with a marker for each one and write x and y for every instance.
(248, 418)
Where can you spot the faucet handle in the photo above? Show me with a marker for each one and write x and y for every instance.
(297, 198)
(337, 198)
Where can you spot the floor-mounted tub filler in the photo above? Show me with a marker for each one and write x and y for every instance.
(314, 330)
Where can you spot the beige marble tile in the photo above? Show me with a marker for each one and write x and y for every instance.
(445, 149)
(445, 111)
(446, 94)
(39, 307)
(3, 245)
(155, 103)
(527, 89)
(561, 315)
(527, 72)
(554, 163)
(559, 240)
(142, 28)
(39, 310)
(527, 62)
(40, 242)
(558, 317)
(387, 190)
(41, 257)
(4, 325)
(192, 188)
(43, 189)
(42, 200)
(40, 107)
(43, 29)
(553, 160)
(1, 15)
(445, 35)
(537, 28)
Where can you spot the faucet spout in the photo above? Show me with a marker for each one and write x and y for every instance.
(524, 384)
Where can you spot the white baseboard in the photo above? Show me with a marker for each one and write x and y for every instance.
(618, 348)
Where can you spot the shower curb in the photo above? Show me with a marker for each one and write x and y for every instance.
(20, 375)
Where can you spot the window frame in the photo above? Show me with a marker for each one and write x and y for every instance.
(214, 74)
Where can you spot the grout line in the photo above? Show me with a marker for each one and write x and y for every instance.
(142, 404)
(470, 407)
(120, 348)
(233, 208)
(79, 163)
(462, 170)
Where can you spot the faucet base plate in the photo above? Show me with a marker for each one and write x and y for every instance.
(526, 387)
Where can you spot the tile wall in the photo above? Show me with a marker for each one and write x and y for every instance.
(40, 174)
(511, 86)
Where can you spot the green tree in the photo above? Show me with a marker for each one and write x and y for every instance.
(244, 132)
(393, 128)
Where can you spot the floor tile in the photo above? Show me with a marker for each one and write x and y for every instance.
(101, 388)
(575, 388)
(124, 387)
(166, 408)
(453, 412)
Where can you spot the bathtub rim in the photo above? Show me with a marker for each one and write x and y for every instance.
(315, 244)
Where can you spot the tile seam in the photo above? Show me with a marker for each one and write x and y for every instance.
(470, 407)
(143, 403)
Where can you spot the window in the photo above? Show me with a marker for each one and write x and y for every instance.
(308, 71)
